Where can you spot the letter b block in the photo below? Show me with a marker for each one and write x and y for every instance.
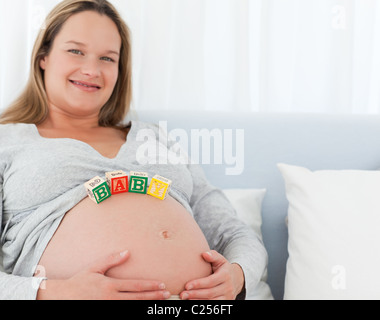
(117, 181)
(159, 187)
(138, 182)
(97, 189)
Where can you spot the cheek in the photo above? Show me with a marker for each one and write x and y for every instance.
(57, 72)
(111, 75)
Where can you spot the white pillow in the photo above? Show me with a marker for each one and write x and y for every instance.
(334, 234)
(247, 203)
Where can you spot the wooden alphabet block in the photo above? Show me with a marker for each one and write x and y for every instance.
(159, 187)
(138, 182)
(97, 189)
(117, 181)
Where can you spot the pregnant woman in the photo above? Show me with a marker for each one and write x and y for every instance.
(65, 129)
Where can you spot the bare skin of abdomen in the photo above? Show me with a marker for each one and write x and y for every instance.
(164, 241)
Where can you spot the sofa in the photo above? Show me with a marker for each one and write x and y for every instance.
(303, 143)
(309, 141)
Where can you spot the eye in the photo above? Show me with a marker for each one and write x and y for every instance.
(74, 51)
(107, 59)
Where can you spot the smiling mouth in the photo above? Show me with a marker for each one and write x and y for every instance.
(85, 84)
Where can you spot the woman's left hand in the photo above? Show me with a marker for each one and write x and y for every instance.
(225, 283)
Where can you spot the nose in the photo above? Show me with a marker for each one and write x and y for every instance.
(91, 68)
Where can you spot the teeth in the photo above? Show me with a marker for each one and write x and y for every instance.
(84, 85)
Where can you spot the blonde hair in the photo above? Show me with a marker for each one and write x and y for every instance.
(32, 105)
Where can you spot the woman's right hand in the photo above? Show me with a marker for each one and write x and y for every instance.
(93, 284)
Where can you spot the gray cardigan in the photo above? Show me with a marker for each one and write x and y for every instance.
(41, 179)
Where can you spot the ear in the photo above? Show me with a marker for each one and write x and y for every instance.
(43, 63)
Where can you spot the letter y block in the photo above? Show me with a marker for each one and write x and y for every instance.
(159, 187)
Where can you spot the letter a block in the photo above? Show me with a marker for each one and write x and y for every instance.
(138, 182)
(159, 187)
(117, 181)
(97, 189)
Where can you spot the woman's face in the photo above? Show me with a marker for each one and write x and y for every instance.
(81, 69)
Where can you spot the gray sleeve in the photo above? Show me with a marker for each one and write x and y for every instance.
(18, 288)
(224, 232)
(1, 204)
(13, 287)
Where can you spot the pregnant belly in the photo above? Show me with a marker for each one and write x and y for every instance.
(164, 241)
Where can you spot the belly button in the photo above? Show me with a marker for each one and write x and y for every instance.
(165, 235)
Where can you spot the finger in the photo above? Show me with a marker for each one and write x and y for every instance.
(215, 258)
(215, 298)
(138, 285)
(208, 256)
(210, 281)
(113, 260)
(217, 261)
(148, 295)
(203, 294)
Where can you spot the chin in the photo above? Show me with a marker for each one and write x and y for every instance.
(85, 109)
